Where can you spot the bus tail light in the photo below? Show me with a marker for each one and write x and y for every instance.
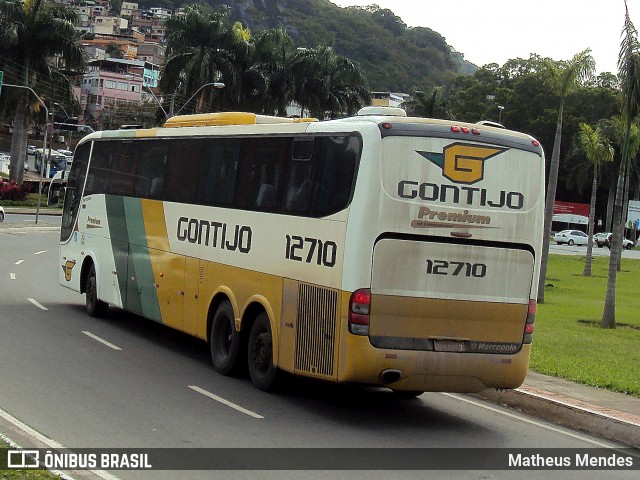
(359, 308)
(529, 326)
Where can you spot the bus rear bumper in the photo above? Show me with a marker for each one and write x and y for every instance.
(431, 371)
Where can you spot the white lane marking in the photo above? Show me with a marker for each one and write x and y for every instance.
(40, 252)
(225, 402)
(532, 422)
(102, 341)
(12, 276)
(37, 304)
(47, 441)
(19, 262)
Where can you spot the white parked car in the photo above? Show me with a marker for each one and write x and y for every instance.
(601, 239)
(571, 237)
(626, 243)
(1, 214)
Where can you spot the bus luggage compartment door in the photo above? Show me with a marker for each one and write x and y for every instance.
(449, 296)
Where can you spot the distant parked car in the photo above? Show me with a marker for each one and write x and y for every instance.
(571, 237)
(626, 243)
(600, 239)
(31, 150)
(1, 214)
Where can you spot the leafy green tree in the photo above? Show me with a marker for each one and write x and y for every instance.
(428, 105)
(565, 79)
(31, 33)
(113, 50)
(598, 150)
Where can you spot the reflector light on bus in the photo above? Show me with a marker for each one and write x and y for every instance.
(529, 327)
(359, 308)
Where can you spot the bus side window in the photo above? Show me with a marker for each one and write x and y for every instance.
(100, 168)
(339, 160)
(183, 171)
(151, 168)
(217, 184)
(123, 175)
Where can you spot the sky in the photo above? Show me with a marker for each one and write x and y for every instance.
(494, 31)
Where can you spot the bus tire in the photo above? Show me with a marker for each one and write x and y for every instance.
(260, 355)
(95, 307)
(224, 340)
(407, 394)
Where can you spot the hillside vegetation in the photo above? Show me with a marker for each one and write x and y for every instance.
(393, 56)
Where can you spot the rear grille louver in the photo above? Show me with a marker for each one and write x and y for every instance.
(316, 329)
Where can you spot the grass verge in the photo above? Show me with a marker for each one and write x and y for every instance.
(24, 474)
(568, 341)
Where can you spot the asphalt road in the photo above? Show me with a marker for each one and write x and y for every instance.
(123, 381)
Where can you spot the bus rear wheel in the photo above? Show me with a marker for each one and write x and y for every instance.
(224, 340)
(95, 307)
(260, 355)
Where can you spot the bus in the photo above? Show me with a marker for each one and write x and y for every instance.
(379, 249)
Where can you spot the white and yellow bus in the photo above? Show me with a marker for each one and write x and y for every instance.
(378, 249)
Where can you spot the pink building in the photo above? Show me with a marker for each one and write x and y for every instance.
(104, 92)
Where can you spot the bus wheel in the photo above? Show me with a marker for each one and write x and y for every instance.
(260, 354)
(407, 394)
(95, 307)
(224, 340)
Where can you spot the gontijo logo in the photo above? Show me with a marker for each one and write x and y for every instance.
(462, 162)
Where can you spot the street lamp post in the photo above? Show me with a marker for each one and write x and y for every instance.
(215, 85)
(44, 142)
(500, 109)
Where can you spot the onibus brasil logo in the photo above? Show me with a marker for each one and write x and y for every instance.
(462, 162)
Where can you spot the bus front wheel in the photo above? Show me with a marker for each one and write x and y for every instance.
(260, 354)
(95, 307)
(224, 340)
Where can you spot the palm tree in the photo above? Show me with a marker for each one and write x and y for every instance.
(275, 55)
(31, 33)
(598, 150)
(425, 104)
(566, 79)
(329, 84)
(197, 53)
(629, 74)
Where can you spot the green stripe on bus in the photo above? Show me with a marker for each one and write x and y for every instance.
(119, 235)
(140, 261)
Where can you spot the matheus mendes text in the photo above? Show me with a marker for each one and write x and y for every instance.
(580, 460)
(215, 234)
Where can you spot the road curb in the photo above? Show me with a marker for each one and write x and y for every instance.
(564, 413)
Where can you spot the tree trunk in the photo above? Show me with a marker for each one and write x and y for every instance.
(19, 142)
(592, 214)
(548, 208)
(611, 198)
(609, 312)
